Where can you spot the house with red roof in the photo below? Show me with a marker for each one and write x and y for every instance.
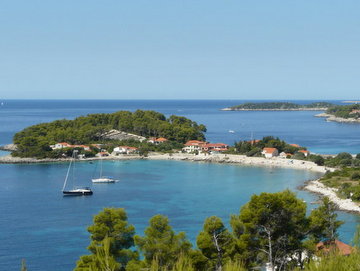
(62, 145)
(102, 154)
(305, 152)
(193, 146)
(270, 152)
(334, 246)
(157, 141)
(125, 150)
(85, 147)
(214, 147)
(285, 155)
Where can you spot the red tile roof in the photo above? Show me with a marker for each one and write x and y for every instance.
(269, 150)
(327, 246)
(161, 139)
(129, 148)
(194, 143)
(304, 151)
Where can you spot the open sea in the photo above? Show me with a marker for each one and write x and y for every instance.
(38, 224)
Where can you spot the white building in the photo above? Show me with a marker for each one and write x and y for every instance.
(270, 152)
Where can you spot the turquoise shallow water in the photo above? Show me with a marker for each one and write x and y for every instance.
(39, 224)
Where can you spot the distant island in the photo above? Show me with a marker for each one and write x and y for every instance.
(280, 106)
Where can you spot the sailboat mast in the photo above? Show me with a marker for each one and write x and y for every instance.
(68, 171)
(67, 175)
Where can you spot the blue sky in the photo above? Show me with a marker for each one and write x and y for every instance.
(180, 49)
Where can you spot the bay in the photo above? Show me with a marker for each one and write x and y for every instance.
(49, 231)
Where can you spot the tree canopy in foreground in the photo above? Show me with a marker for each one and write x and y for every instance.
(271, 229)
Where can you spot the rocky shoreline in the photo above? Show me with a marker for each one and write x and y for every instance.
(8, 147)
(330, 117)
(278, 109)
(319, 188)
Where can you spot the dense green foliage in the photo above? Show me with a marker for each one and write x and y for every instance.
(254, 148)
(161, 243)
(343, 159)
(35, 140)
(270, 228)
(112, 235)
(336, 262)
(346, 180)
(281, 106)
(345, 111)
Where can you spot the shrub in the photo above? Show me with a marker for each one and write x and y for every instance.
(355, 176)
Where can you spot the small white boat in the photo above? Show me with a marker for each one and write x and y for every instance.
(231, 131)
(78, 192)
(103, 179)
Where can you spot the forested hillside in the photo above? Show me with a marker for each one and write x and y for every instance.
(35, 140)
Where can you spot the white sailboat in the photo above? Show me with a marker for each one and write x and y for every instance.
(102, 179)
(76, 191)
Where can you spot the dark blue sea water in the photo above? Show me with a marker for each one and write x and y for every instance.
(295, 127)
(49, 231)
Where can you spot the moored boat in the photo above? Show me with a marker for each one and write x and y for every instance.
(77, 191)
(103, 179)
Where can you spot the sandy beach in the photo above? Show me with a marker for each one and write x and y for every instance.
(214, 158)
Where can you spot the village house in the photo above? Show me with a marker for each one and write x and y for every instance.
(193, 146)
(285, 155)
(85, 147)
(355, 111)
(270, 152)
(214, 147)
(124, 150)
(157, 141)
(61, 145)
(102, 154)
(335, 246)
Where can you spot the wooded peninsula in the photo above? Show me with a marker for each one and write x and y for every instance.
(280, 106)
(35, 141)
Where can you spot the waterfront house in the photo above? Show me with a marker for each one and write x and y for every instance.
(157, 141)
(61, 145)
(102, 154)
(270, 152)
(125, 150)
(193, 146)
(285, 155)
(214, 147)
(85, 147)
